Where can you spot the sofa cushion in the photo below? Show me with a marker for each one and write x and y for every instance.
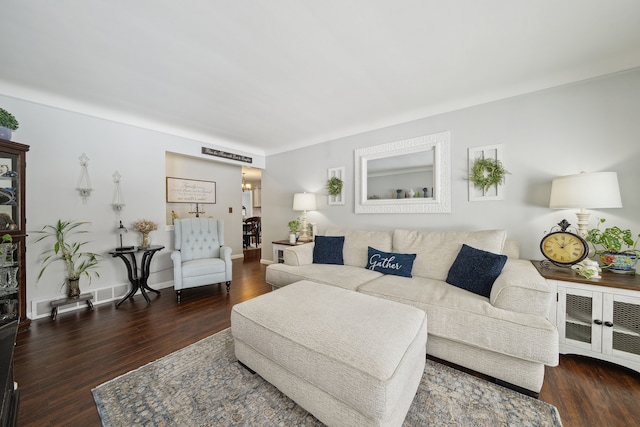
(390, 263)
(357, 242)
(460, 316)
(436, 250)
(475, 270)
(328, 250)
(343, 276)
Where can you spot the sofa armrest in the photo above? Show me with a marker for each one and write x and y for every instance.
(298, 255)
(522, 289)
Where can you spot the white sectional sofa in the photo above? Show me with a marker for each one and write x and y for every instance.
(506, 335)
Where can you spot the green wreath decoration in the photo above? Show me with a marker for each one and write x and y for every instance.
(485, 173)
(334, 185)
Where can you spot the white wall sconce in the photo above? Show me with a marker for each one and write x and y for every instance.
(597, 190)
(118, 200)
(304, 202)
(84, 184)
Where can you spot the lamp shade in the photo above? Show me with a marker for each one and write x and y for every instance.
(304, 202)
(586, 190)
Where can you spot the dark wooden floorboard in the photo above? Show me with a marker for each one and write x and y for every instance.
(57, 363)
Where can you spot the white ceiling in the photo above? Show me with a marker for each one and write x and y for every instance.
(266, 76)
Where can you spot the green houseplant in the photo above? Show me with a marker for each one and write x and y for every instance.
(294, 226)
(7, 123)
(77, 262)
(487, 172)
(617, 248)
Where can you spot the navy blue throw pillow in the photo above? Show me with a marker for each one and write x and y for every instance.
(390, 263)
(475, 270)
(328, 250)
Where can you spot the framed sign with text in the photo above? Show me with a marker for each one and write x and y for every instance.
(180, 190)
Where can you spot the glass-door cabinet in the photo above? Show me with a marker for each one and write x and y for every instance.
(13, 302)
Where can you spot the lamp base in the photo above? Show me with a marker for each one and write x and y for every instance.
(583, 223)
(304, 234)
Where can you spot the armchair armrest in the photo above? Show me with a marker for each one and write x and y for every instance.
(299, 255)
(522, 289)
(176, 257)
(225, 255)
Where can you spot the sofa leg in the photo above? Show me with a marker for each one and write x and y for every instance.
(247, 368)
(228, 286)
(519, 389)
(178, 296)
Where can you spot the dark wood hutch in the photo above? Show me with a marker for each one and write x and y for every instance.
(13, 283)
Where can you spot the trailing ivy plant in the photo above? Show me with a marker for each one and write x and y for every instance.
(485, 173)
(334, 185)
(613, 240)
(8, 120)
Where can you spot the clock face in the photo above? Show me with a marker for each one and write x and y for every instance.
(564, 248)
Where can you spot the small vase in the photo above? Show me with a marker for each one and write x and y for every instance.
(13, 278)
(7, 253)
(73, 288)
(146, 241)
(292, 238)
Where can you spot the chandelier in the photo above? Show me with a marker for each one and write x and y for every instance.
(245, 186)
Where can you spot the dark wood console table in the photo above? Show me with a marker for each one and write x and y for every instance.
(137, 281)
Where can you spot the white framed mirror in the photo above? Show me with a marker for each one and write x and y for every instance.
(408, 176)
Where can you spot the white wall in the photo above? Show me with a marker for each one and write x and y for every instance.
(591, 126)
(57, 138)
(587, 126)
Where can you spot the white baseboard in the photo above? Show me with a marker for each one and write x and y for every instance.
(42, 308)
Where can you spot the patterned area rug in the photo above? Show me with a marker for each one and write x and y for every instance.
(203, 385)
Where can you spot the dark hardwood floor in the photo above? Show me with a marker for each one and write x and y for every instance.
(57, 363)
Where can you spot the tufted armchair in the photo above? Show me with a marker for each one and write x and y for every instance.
(199, 257)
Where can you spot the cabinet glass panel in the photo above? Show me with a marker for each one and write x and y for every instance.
(9, 286)
(9, 194)
(578, 322)
(626, 327)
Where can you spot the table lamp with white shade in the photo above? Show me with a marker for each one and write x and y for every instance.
(598, 190)
(304, 202)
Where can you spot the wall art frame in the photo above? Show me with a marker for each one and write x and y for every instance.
(340, 174)
(183, 190)
(496, 192)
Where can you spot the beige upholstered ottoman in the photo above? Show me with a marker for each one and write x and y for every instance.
(347, 358)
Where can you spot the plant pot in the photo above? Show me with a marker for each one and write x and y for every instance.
(5, 133)
(292, 238)
(623, 263)
(73, 288)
